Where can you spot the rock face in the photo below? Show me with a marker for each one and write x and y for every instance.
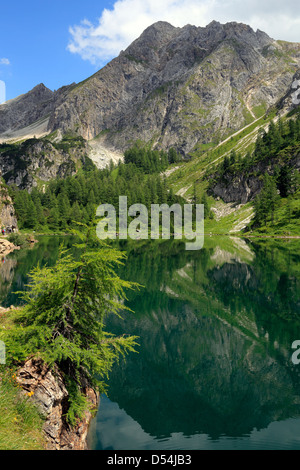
(27, 115)
(48, 391)
(7, 214)
(6, 247)
(181, 87)
(291, 99)
(40, 160)
(25, 109)
(7, 211)
(243, 187)
(174, 87)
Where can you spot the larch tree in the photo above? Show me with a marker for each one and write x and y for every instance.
(62, 319)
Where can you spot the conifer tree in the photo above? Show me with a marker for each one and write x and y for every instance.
(265, 202)
(206, 208)
(62, 321)
(31, 215)
(284, 182)
(53, 219)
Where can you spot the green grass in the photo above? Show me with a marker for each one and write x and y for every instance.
(20, 422)
(186, 175)
(229, 223)
(286, 219)
(259, 110)
(194, 170)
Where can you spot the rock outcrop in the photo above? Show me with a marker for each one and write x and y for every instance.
(47, 389)
(6, 247)
(7, 212)
(40, 160)
(8, 219)
(242, 187)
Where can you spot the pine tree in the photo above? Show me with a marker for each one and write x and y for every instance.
(41, 219)
(21, 201)
(172, 156)
(53, 218)
(226, 164)
(64, 209)
(273, 196)
(233, 157)
(31, 215)
(75, 213)
(195, 193)
(288, 209)
(163, 196)
(92, 197)
(265, 203)
(284, 182)
(206, 208)
(62, 321)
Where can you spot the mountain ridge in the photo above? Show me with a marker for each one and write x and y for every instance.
(161, 85)
(187, 88)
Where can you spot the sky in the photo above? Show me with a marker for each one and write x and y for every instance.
(61, 42)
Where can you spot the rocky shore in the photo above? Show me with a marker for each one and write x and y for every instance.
(6, 247)
(46, 388)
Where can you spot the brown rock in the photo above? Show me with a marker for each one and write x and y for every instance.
(51, 397)
(6, 247)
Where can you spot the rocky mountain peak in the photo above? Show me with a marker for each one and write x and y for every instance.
(159, 30)
(151, 41)
(174, 87)
(42, 91)
(245, 33)
(25, 109)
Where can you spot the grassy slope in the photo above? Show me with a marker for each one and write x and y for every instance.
(20, 422)
(286, 219)
(231, 218)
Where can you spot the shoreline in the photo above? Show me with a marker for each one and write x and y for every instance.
(206, 234)
(6, 247)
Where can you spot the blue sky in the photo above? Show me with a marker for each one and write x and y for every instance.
(34, 36)
(61, 42)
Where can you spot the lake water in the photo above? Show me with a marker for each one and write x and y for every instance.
(214, 364)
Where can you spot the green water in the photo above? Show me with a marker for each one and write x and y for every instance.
(213, 368)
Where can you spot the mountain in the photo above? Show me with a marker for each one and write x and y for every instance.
(173, 87)
(196, 90)
(25, 110)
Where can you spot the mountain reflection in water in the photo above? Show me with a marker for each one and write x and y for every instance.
(215, 328)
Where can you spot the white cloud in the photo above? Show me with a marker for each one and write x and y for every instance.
(118, 27)
(4, 61)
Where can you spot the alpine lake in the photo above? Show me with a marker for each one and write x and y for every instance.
(214, 365)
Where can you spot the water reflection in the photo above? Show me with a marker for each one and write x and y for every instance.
(116, 430)
(214, 368)
(214, 365)
(15, 267)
